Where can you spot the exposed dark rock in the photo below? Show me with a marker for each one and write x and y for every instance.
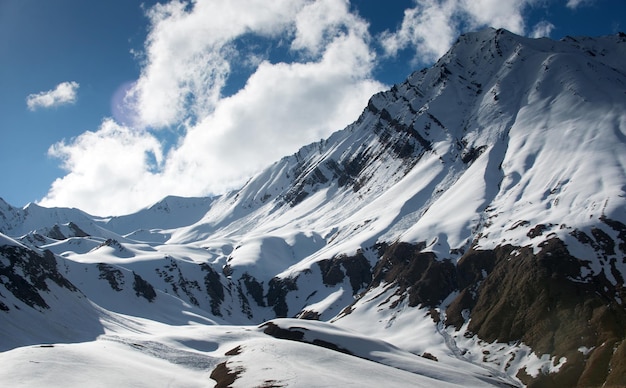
(515, 295)
(426, 280)
(110, 242)
(583, 238)
(604, 241)
(33, 238)
(250, 287)
(224, 376)
(272, 384)
(396, 139)
(297, 334)
(308, 315)
(404, 141)
(436, 121)
(113, 275)
(55, 233)
(357, 268)
(243, 302)
(470, 155)
(227, 270)
(385, 115)
(331, 272)
(371, 107)
(143, 288)
(255, 289)
(618, 227)
(234, 351)
(294, 197)
(330, 345)
(277, 293)
(304, 180)
(352, 169)
(601, 242)
(78, 232)
(537, 231)
(172, 274)
(533, 299)
(519, 224)
(272, 329)
(24, 273)
(472, 269)
(214, 288)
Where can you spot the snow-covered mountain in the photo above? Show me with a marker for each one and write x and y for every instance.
(468, 228)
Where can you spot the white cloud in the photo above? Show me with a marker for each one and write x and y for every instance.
(320, 20)
(431, 26)
(542, 29)
(109, 170)
(188, 58)
(282, 107)
(428, 27)
(497, 13)
(188, 54)
(63, 93)
(573, 4)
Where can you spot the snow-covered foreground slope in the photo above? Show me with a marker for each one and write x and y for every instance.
(472, 218)
(55, 336)
(144, 353)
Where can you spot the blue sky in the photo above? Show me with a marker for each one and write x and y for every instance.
(110, 105)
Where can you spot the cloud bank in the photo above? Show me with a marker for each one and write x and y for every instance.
(321, 85)
(304, 69)
(64, 93)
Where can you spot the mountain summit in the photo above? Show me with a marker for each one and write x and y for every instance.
(473, 215)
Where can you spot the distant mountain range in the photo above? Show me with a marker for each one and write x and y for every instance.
(468, 229)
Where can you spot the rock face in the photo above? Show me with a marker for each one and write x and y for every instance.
(534, 298)
(486, 193)
(25, 274)
(515, 295)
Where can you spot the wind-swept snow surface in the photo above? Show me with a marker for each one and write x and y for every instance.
(468, 229)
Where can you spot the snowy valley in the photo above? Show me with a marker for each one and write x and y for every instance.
(468, 229)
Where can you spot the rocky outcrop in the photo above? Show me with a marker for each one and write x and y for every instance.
(277, 295)
(143, 289)
(515, 295)
(356, 268)
(214, 288)
(298, 334)
(113, 275)
(537, 299)
(419, 276)
(26, 273)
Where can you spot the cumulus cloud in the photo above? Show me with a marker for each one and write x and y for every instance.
(431, 26)
(189, 50)
(428, 27)
(63, 93)
(109, 170)
(542, 29)
(321, 87)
